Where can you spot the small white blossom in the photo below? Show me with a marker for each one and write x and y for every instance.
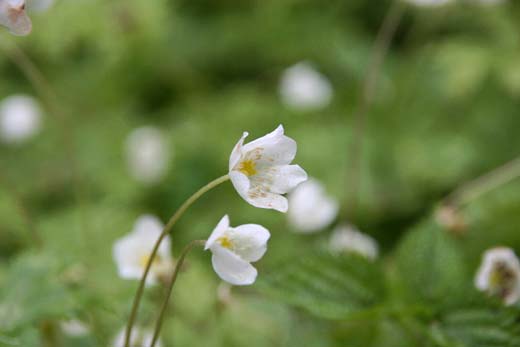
(20, 118)
(310, 208)
(39, 5)
(14, 17)
(346, 238)
(132, 252)
(139, 338)
(147, 154)
(304, 88)
(260, 170)
(74, 327)
(235, 248)
(499, 274)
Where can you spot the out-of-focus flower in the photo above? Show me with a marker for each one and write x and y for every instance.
(235, 248)
(139, 338)
(74, 327)
(14, 17)
(38, 5)
(132, 252)
(429, 2)
(346, 238)
(20, 118)
(499, 274)
(304, 88)
(260, 170)
(310, 208)
(147, 154)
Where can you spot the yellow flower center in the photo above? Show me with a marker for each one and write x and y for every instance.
(225, 242)
(143, 261)
(248, 167)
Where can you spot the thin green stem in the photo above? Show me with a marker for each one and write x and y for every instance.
(483, 184)
(379, 51)
(177, 215)
(173, 279)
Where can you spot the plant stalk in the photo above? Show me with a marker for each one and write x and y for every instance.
(177, 215)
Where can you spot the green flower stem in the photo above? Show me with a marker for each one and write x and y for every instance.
(483, 184)
(178, 214)
(164, 306)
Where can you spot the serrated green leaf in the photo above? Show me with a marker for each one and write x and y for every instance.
(326, 285)
(431, 267)
(32, 293)
(478, 327)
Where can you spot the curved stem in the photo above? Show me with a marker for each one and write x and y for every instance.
(164, 306)
(483, 184)
(178, 214)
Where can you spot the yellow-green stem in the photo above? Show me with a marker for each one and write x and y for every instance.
(178, 214)
(166, 301)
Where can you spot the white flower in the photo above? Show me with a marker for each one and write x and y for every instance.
(132, 252)
(310, 208)
(147, 154)
(20, 118)
(346, 238)
(39, 5)
(14, 18)
(260, 170)
(74, 327)
(304, 88)
(139, 338)
(235, 248)
(499, 274)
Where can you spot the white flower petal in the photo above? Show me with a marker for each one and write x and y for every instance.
(348, 239)
(231, 268)
(272, 149)
(310, 208)
(20, 118)
(236, 154)
(285, 178)
(303, 88)
(501, 262)
(251, 241)
(268, 200)
(13, 17)
(219, 230)
(240, 182)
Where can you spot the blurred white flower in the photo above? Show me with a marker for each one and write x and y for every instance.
(304, 88)
(147, 154)
(499, 274)
(74, 327)
(429, 2)
(132, 252)
(235, 248)
(38, 5)
(310, 208)
(260, 170)
(346, 238)
(14, 17)
(139, 338)
(20, 118)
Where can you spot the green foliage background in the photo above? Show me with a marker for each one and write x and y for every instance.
(446, 110)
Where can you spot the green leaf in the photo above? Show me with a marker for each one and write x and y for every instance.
(431, 268)
(32, 292)
(326, 285)
(478, 327)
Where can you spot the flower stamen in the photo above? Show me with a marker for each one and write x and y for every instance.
(225, 242)
(248, 167)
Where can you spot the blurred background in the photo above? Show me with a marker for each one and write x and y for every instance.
(114, 109)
